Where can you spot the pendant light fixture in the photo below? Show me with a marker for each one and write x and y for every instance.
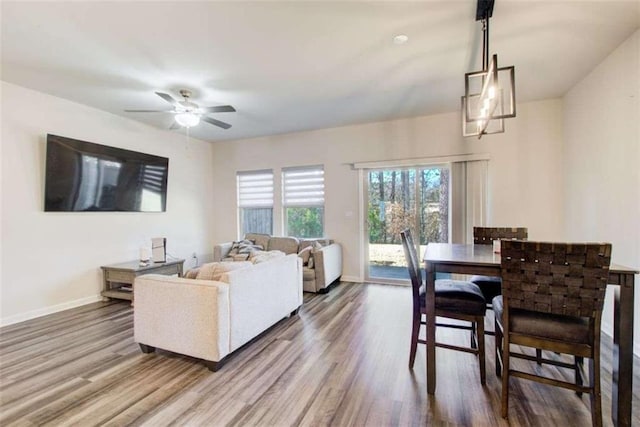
(490, 94)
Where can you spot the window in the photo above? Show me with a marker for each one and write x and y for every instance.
(255, 202)
(303, 201)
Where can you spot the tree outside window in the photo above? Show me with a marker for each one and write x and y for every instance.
(303, 201)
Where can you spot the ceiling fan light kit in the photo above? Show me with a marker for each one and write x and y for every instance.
(490, 94)
(188, 114)
(187, 119)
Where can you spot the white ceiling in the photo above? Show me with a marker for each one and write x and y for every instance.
(289, 66)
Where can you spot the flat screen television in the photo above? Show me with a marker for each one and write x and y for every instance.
(83, 176)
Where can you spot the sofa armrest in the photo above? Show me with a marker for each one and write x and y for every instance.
(185, 316)
(221, 250)
(262, 295)
(328, 265)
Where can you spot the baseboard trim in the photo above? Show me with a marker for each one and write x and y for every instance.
(21, 317)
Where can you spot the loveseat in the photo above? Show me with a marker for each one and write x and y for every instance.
(209, 319)
(322, 258)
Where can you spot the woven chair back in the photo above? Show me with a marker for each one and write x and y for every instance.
(486, 235)
(557, 278)
(412, 262)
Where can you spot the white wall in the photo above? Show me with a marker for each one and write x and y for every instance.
(602, 159)
(51, 261)
(525, 168)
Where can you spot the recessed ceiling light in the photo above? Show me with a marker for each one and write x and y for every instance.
(401, 39)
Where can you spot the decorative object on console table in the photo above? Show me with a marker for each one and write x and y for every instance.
(159, 249)
(118, 278)
(145, 256)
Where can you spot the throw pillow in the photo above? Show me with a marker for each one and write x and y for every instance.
(248, 248)
(215, 270)
(266, 256)
(192, 273)
(305, 254)
(311, 262)
(317, 246)
(236, 247)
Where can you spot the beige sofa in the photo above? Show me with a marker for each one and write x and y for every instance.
(210, 319)
(318, 274)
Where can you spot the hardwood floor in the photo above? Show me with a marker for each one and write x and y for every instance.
(342, 361)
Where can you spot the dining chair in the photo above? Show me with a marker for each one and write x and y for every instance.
(552, 298)
(490, 286)
(454, 299)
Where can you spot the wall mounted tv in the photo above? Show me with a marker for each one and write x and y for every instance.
(82, 176)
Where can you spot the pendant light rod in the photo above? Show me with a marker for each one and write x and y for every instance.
(484, 11)
(485, 43)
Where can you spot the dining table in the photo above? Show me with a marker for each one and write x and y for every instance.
(482, 260)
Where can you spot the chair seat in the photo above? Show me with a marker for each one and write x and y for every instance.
(457, 296)
(490, 286)
(543, 325)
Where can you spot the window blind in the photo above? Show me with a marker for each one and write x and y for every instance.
(255, 189)
(303, 186)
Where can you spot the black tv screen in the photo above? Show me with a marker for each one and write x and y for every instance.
(82, 176)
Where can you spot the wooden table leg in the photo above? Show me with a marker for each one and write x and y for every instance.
(431, 328)
(622, 363)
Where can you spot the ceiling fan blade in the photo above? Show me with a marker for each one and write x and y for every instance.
(218, 109)
(148, 111)
(215, 122)
(168, 98)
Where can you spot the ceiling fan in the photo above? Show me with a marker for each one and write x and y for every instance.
(189, 114)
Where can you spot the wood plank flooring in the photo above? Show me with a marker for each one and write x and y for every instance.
(341, 362)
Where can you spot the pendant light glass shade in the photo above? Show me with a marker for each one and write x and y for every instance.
(489, 99)
(187, 119)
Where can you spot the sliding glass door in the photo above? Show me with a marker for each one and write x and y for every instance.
(417, 198)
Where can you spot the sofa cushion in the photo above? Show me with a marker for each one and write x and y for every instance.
(308, 274)
(266, 256)
(288, 245)
(310, 242)
(305, 243)
(305, 254)
(215, 270)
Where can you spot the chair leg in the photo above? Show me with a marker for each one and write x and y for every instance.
(594, 380)
(577, 365)
(415, 331)
(538, 356)
(481, 351)
(473, 344)
(505, 375)
(498, 348)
